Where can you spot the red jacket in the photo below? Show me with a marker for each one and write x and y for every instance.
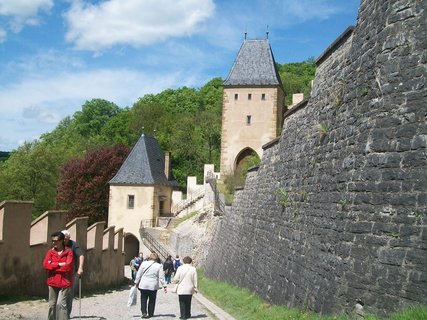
(59, 276)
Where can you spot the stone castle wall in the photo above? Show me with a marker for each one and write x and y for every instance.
(24, 243)
(336, 213)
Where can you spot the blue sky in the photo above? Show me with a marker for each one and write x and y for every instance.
(57, 54)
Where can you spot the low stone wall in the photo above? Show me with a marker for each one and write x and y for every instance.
(24, 243)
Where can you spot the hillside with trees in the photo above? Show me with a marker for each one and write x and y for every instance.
(186, 122)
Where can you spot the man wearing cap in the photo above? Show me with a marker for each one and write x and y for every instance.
(78, 265)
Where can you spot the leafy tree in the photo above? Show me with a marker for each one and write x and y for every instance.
(297, 77)
(83, 186)
(31, 174)
(94, 115)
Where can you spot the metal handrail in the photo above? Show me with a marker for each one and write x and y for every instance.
(152, 244)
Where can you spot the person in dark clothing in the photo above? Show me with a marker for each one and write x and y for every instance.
(78, 267)
(168, 269)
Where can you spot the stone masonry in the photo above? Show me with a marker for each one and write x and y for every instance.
(336, 213)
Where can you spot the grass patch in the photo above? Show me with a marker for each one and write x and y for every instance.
(228, 196)
(245, 305)
(178, 221)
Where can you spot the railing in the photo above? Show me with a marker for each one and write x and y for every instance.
(148, 223)
(219, 205)
(184, 204)
(152, 244)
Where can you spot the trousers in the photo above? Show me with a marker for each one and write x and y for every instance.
(58, 303)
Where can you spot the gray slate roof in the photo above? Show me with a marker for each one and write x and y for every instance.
(144, 165)
(254, 65)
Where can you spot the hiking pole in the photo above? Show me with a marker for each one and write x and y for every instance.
(80, 298)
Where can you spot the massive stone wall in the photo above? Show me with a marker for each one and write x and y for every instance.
(336, 213)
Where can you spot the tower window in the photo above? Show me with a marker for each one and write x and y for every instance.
(249, 96)
(248, 120)
(236, 96)
(131, 201)
(263, 96)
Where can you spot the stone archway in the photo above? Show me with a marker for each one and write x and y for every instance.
(243, 157)
(131, 247)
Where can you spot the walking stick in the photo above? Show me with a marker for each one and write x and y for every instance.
(80, 298)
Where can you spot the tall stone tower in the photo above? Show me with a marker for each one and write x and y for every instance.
(252, 104)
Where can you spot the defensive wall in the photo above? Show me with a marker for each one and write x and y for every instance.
(335, 215)
(24, 243)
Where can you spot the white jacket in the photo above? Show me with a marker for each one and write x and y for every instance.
(187, 274)
(153, 278)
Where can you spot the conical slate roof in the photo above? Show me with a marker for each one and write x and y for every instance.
(144, 165)
(254, 65)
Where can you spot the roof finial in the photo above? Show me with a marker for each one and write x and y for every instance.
(246, 31)
(267, 32)
(142, 129)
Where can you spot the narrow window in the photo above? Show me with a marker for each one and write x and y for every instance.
(248, 120)
(263, 96)
(236, 96)
(249, 96)
(131, 201)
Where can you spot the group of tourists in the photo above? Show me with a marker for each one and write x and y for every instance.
(64, 265)
(152, 275)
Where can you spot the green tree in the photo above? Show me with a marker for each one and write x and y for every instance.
(30, 174)
(297, 77)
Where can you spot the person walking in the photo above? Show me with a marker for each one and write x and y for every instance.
(58, 263)
(186, 280)
(78, 267)
(168, 269)
(148, 280)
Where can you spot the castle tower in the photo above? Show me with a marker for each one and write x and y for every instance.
(252, 104)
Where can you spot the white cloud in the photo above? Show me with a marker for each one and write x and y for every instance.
(305, 10)
(23, 12)
(135, 22)
(44, 101)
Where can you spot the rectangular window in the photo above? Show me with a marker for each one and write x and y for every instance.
(236, 96)
(248, 120)
(249, 96)
(263, 96)
(131, 201)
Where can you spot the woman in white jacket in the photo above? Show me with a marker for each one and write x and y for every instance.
(148, 280)
(186, 279)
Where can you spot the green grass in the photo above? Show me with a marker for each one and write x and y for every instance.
(245, 305)
(184, 218)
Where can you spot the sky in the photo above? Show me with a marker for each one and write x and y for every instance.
(57, 54)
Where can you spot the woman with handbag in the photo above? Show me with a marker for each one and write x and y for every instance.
(186, 280)
(148, 280)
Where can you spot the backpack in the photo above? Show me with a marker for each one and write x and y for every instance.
(137, 262)
(176, 263)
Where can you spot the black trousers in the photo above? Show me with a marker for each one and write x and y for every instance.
(185, 305)
(149, 295)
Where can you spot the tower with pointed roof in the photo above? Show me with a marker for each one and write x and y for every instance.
(252, 104)
(141, 191)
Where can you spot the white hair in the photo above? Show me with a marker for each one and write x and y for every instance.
(66, 233)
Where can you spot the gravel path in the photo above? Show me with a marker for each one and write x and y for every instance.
(108, 305)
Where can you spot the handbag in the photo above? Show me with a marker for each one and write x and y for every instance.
(132, 296)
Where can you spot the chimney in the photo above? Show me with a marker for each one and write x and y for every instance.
(168, 165)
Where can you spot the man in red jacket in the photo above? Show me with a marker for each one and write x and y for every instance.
(59, 266)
